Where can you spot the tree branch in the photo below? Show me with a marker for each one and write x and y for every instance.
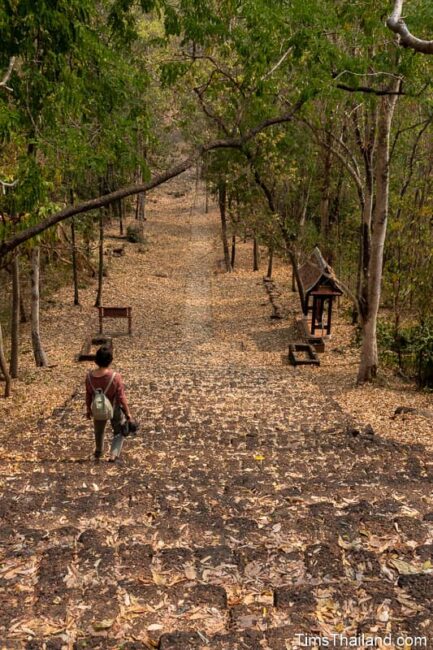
(406, 39)
(352, 169)
(368, 90)
(5, 184)
(277, 65)
(93, 204)
(212, 116)
(4, 81)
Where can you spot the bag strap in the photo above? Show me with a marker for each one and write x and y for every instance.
(89, 376)
(109, 383)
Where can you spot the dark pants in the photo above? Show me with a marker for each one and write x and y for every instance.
(116, 423)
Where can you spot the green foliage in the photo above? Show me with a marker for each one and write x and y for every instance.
(134, 234)
(410, 348)
(103, 92)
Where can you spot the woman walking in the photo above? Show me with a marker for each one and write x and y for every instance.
(106, 400)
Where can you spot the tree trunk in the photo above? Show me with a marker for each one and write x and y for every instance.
(206, 208)
(98, 301)
(4, 367)
(222, 200)
(74, 263)
(121, 210)
(23, 314)
(270, 262)
(366, 144)
(15, 318)
(369, 359)
(256, 255)
(296, 278)
(325, 194)
(140, 206)
(233, 255)
(38, 351)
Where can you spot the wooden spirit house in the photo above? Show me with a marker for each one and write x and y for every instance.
(318, 290)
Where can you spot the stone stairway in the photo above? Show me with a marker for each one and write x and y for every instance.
(239, 525)
(246, 513)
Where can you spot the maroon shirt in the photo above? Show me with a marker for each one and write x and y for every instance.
(116, 392)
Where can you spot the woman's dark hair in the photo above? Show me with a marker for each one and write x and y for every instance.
(103, 357)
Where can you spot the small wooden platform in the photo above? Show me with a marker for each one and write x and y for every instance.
(308, 358)
(90, 345)
(115, 312)
(317, 342)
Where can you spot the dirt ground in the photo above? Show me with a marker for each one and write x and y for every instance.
(254, 506)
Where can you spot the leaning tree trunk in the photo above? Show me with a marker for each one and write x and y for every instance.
(222, 200)
(38, 351)
(4, 367)
(15, 318)
(370, 307)
(98, 301)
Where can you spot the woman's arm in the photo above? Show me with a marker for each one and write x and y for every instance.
(121, 397)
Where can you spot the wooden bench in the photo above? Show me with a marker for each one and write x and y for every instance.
(302, 354)
(317, 342)
(115, 312)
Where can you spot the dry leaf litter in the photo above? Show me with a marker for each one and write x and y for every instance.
(246, 511)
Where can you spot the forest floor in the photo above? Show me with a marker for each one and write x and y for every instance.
(245, 513)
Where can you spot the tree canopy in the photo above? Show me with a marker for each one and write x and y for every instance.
(305, 107)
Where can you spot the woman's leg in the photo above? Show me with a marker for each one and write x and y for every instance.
(118, 438)
(99, 426)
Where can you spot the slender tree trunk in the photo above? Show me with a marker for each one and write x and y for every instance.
(4, 367)
(222, 200)
(121, 210)
(74, 263)
(233, 255)
(256, 255)
(364, 246)
(23, 314)
(369, 359)
(140, 212)
(206, 209)
(98, 301)
(296, 277)
(366, 144)
(324, 208)
(38, 351)
(15, 318)
(140, 205)
(270, 262)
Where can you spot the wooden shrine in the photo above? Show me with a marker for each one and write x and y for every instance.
(318, 290)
